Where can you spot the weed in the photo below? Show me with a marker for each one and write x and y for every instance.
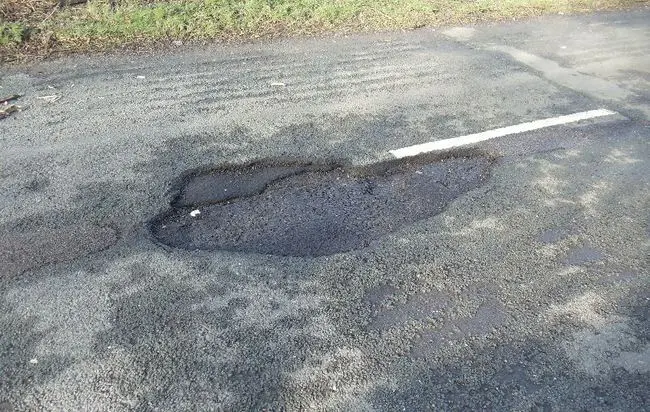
(12, 34)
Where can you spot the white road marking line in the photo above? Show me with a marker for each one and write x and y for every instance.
(491, 134)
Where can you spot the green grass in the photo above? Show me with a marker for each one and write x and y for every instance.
(95, 26)
(12, 34)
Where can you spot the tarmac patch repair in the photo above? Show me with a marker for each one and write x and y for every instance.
(313, 210)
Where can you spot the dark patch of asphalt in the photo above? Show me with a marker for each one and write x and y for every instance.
(313, 210)
(528, 291)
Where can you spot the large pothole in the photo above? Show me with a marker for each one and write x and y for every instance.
(312, 210)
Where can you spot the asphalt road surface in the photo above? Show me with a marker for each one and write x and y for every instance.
(511, 274)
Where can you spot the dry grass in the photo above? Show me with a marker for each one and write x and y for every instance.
(25, 10)
(32, 28)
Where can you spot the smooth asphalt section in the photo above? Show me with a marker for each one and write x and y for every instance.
(527, 289)
(604, 56)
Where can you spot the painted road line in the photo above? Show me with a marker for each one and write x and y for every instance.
(491, 134)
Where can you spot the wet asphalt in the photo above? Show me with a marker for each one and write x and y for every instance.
(319, 273)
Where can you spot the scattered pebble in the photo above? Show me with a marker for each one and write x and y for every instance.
(33, 361)
(195, 213)
(50, 99)
(6, 110)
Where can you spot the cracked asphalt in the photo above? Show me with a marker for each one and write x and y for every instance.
(526, 286)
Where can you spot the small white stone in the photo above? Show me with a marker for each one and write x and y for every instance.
(195, 213)
(33, 361)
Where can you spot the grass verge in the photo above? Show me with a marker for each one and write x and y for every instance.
(32, 28)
